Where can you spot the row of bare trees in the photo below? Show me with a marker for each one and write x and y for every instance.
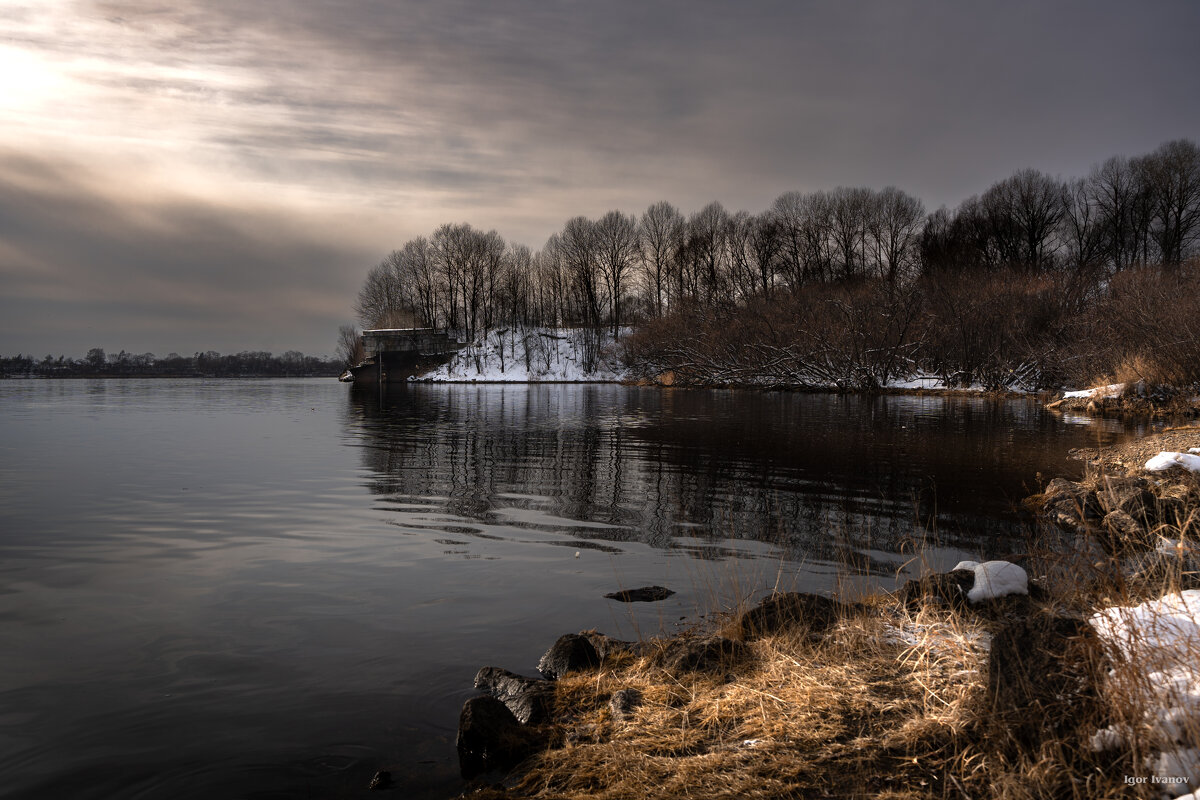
(1126, 212)
(621, 269)
(1064, 241)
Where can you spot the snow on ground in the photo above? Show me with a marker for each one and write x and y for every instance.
(996, 579)
(918, 382)
(1159, 644)
(532, 355)
(1096, 392)
(1167, 459)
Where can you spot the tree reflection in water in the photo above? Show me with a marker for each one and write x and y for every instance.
(819, 478)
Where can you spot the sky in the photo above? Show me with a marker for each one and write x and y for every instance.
(186, 175)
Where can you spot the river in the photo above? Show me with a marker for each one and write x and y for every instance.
(273, 588)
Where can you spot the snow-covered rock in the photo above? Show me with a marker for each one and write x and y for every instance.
(1167, 459)
(997, 579)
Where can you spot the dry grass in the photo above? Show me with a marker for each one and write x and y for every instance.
(886, 704)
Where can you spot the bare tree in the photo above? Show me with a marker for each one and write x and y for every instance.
(707, 233)
(1025, 210)
(660, 234)
(849, 228)
(349, 346)
(617, 248)
(894, 225)
(1114, 187)
(767, 246)
(382, 301)
(1174, 173)
(579, 249)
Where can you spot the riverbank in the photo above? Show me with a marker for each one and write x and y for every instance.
(929, 692)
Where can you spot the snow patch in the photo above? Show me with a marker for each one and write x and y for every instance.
(1096, 392)
(918, 382)
(533, 355)
(1158, 641)
(1167, 459)
(997, 579)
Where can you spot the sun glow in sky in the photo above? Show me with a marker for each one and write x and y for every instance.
(217, 174)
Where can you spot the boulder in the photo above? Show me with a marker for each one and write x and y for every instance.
(623, 703)
(703, 654)
(646, 594)
(1123, 531)
(785, 610)
(947, 589)
(530, 700)
(1041, 676)
(1070, 505)
(607, 647)
(571, 652)
(1129, 494)
(490, 738)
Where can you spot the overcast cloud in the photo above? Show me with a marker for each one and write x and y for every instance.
(218, 174)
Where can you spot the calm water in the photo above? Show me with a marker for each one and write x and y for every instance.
(274, 588)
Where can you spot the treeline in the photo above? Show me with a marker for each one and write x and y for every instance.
(210, 364)
(820, 269)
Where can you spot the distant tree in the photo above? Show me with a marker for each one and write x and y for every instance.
(1024, 211)
(617, 248)
(660, 236)
(95, 358)
(850, 208)
(894, 225)
(1173, 171)
(707, 251)
(766, 245)
(1113, 188)
(579, 247)
(349, 346)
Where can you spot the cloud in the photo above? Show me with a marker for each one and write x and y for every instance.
(399, 116)
(84, 249)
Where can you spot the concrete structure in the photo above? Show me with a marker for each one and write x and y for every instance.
(395, 354)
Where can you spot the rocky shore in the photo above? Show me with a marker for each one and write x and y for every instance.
(995, 680)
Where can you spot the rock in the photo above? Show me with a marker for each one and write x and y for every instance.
(608, 647)
(1070, 505)
(1129, 494)
(646, 594)
(942, 588)
(1172, 510)
(530, 700)
(381, 780)
(1041, 672)
(786, 610)
(702, 654)
(624, 702)
(1123, 531)
(571, 652)
(490, 738)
